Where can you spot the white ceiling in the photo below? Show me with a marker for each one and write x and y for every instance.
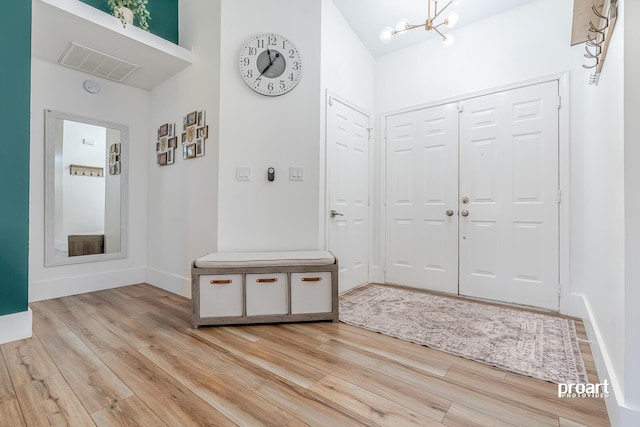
(368, 17)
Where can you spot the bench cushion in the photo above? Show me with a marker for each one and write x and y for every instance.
(264, 259)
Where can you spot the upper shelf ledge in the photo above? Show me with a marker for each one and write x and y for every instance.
(56, 23)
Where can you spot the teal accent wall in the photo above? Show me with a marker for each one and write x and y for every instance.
(164, 16)
(15, 91)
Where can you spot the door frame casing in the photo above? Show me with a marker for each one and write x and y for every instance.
(570, 303)
(325, 220)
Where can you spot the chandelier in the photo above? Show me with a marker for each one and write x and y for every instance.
(388, 33)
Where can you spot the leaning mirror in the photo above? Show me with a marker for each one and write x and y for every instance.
(86, 172)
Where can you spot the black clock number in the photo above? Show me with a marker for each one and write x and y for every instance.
(253, 51)
(292, 53)
(296, 65)
(291, 77)
(260, 44)
(245, 61)
(272, 41)
(249, 74)
(282, 84)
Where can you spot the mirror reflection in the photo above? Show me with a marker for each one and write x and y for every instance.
(85, 182)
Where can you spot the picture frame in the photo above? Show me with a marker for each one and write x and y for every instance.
(191, 118)
(116, 148)
(158, 147)
(164, 130)
(162, 159)
(170, 130)
(191, 133)
(203, 132)
(199, 148)
(112, 159)
(184, 137)
(173, 142)
(191, 150)
(116, 168)
(163, 143)
(200, 118)
(170, 156)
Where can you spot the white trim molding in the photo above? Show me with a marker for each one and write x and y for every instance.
(16, 326)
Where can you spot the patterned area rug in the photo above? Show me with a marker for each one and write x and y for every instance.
(532, 344)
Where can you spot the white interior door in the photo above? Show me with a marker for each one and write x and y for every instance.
(348, 179)
(421, 198)
(494, 166)
(509, 173)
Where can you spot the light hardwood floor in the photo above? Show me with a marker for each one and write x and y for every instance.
(128, 357)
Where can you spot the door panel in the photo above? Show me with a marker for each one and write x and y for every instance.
(348, 178)
(422, 183)
(509, 172)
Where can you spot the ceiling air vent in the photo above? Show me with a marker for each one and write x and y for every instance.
(97, 63)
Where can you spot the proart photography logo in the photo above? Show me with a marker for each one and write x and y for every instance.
(584, 391)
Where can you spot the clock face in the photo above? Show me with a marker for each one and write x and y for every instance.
(270, 64)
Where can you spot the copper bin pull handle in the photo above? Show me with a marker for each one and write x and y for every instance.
(221, 282)
(272, 280)
(312, 279)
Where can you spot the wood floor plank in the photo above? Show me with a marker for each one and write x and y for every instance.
(127, 412)
(77, 316)
(27, 360)
(514, 412)
(459, 415)
(96, 386)
(127, 356)
(298, 346)
(240, 405)
(276, 363)
(296, 400)
(10, 413)
(169, 399)
(545, 401)
(51, 401)
(381, 411)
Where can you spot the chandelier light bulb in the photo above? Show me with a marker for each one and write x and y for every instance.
(386, 34)
(448, 40)
(402, 25)
(452, 20)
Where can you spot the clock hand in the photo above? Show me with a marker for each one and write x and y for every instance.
(267, 67)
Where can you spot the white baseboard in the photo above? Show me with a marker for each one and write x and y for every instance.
(62, 287)
(604, 366)
(169, 282)
(16, 326)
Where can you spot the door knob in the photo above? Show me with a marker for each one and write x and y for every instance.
(465, 200)
(335, 213)
(464, 213)
(449, 212)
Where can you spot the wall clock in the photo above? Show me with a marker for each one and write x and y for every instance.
(270, 64)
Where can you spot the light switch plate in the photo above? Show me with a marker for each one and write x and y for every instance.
(296, 173)
(243, 173)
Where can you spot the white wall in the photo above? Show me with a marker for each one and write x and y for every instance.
(82, 197)
(57, 88)
(630, 415)
(183, 206)
(512, 47)
(262, 132)
(598, 236)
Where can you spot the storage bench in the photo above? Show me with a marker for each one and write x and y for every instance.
(264, 287)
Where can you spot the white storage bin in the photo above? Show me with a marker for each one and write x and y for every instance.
(311, 292)
(221, 295)
(267, 294)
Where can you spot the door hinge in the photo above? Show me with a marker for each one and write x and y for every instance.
(369, 131)
(330, 101)
(559, 102)
(385, 133)
(460, 107)
(559, 196)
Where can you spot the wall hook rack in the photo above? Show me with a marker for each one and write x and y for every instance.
(599, 37)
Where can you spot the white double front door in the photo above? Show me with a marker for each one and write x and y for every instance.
(472, 197)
